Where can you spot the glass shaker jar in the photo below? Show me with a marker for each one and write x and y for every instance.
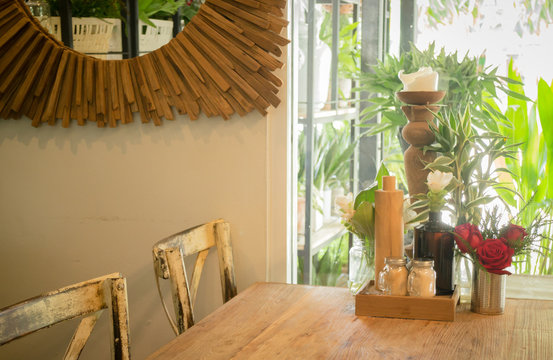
(392, 280)
(422, 278)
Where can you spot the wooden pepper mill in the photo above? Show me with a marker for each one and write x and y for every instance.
(388, 223)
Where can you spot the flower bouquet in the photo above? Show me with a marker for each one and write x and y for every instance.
(491, 248)
(358, 218)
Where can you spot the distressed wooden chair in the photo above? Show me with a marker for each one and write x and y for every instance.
(88, 299)
(169, 255)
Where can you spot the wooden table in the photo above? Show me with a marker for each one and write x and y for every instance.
(279, 321)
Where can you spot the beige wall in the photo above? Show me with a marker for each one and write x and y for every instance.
(82, 202)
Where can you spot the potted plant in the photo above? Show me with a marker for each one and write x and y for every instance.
(332, 152)
(466, 82)
(156, 25)
(97, 24)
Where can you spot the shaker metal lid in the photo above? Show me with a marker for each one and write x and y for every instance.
(394, 260)
(423, 262)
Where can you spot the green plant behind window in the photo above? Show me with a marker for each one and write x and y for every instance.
(158, 9)
(332, 153)
(526, 187)
(328, 264)
(155, 9)
(349, 47)
(90, 8)
(192, 8)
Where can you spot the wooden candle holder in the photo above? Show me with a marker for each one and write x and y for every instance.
(419, 112)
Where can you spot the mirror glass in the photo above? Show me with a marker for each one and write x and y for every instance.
(97, 24)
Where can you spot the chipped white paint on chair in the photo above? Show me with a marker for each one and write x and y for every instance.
(169, 255)
(87, 299)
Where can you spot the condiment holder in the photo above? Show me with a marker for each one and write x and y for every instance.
(370, 302)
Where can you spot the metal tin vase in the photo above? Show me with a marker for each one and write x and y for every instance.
(488, 292)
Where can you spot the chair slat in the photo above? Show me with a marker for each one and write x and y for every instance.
(81, 335)
(180, 290)
(226, 261)
(120, 346)
(198, 267)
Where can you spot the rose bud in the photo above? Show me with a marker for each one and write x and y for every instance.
(468, 237)
(514, 234)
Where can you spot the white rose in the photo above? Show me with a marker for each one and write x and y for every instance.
(423, 80)
(345, 203)
(437, 180)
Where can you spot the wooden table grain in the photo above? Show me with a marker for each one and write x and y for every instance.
(281, 321)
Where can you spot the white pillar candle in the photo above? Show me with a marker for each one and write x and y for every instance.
(423, 80)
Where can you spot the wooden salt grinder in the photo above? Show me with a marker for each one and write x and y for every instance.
(388, 224)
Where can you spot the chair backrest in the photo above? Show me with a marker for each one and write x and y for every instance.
(169, 256)
(87, 299)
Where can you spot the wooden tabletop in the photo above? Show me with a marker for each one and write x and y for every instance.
(280, 321)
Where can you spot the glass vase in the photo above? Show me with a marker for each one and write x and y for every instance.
(435, 240)
(488, 292)
(361, 263)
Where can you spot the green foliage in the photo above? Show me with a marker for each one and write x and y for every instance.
(332, 154)
(349, 47)
(532, 13)
(192, 9)
(470, 157)
(465, 81)
(527, 188)
(545, 109)
(392, 156)
(526, 181)
(328, 263)
(158, 9)
(362, 222)
(90, 8)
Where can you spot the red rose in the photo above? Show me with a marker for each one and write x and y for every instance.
(468, 237)
(514, 234)
(495, 256)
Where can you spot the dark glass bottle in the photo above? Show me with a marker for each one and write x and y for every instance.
(434, 240)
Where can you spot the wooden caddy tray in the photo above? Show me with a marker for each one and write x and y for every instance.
(369, 302)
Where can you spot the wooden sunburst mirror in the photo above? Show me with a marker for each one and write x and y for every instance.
(221, 63)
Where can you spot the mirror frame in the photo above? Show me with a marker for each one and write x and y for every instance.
(220, 64)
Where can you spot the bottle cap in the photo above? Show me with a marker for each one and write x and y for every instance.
(388, 183)
(423, 262)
